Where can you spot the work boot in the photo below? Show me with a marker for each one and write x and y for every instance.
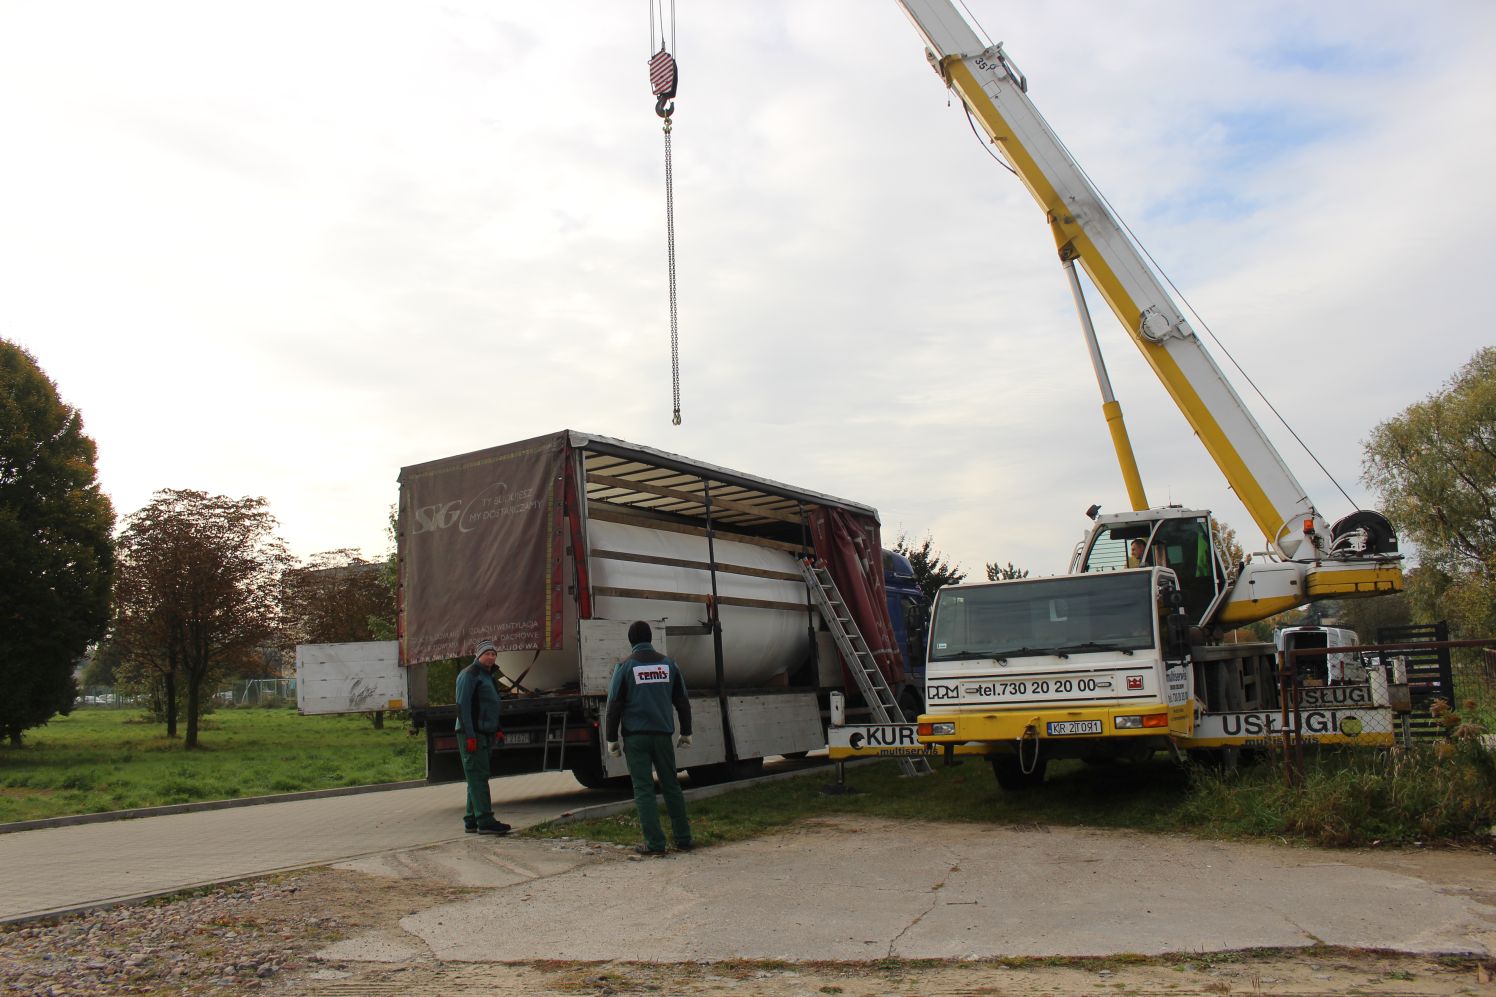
(497, 827)
(684, 846)
(646, 850)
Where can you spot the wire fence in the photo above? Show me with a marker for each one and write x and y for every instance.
(1401, 691)
(245, 692)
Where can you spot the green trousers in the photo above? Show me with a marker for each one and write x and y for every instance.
(476, 769)
(646, 752)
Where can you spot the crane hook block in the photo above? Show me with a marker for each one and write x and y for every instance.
(663, 77)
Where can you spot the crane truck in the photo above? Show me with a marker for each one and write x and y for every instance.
(1122, 655)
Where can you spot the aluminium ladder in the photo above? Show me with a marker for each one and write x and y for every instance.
(859, 659)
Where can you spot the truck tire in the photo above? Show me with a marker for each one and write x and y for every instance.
(589, 772)
(911, 703)
(1226, 759)
(1010, 775)
(444, 767)
(710, 775)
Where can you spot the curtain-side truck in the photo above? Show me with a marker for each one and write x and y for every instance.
(551, 547)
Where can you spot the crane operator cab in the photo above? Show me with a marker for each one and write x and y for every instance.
(1180, 539)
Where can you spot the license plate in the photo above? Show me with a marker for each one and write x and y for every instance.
(518, 737)
(1062, 727)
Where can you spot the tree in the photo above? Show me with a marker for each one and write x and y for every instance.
(1004, 573)
(1368, 616)
(385, 627)
(1434, 466)
(102, 665)
(1228, 547)
(56, 555)
(333, 598)
(199, 586)
(931, 570)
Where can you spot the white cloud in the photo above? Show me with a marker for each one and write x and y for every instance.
(285, 249)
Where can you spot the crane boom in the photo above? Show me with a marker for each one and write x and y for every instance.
(1355, 556)
(1086, 232)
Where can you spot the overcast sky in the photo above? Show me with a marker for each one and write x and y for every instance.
(285, 248)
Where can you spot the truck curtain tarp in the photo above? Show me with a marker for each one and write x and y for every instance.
(481, 551)
(482, 544)
(853, 551)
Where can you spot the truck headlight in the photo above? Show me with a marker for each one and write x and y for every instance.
(937, 730)
(1139, 722)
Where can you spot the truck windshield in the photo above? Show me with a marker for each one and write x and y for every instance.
(1074, 614)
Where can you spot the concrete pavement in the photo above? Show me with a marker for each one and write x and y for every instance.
(860, 889)
(837, 889)
(62, 869)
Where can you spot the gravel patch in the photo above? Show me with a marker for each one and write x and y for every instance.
(246, 937)
(228, 940)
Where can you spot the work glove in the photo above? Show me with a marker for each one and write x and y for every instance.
(615, 749)
(472, 745)
(684, 741)
(498, 737)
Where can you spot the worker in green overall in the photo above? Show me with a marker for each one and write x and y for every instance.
(645, 692)
(477, 731)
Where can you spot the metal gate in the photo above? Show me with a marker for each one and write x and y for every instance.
(1429, 674)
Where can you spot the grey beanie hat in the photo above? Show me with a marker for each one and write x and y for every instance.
(484, 646)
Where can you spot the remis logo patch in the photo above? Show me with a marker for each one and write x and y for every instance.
(651, 673)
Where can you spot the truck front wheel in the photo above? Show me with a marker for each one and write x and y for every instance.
(1010, 774)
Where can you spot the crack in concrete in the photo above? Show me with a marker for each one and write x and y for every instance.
(1301, 929)
(934, 901)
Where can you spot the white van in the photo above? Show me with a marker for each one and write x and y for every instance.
(1330, 668)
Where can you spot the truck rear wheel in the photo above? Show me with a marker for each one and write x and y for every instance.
(589, 772)
(1010, 774)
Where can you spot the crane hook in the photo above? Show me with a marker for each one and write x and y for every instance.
(664, 77)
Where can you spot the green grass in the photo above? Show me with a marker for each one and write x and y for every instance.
(105, 759)
(1355, 798)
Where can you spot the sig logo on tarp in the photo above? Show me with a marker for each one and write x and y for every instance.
(468, 514)
(437, 517)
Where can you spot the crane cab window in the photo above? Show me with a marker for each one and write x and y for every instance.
(1124, 545)
(1186, 547)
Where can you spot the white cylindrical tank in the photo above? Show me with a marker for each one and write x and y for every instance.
(757, 644)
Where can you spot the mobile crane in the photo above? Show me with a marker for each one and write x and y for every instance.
(1119, 657)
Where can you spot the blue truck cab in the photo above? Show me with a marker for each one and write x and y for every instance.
(909, 611)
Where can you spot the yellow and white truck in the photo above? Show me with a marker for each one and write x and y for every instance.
(1122, 655)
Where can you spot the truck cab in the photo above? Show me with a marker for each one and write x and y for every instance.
(1091, 665)
(1182, 540)
(909, 612)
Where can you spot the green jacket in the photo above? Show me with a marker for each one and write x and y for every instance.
(644, 690)
(478, 710)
